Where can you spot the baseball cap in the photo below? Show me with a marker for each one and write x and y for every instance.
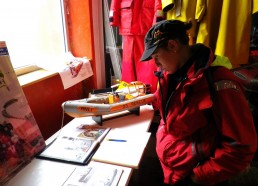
(160, 32)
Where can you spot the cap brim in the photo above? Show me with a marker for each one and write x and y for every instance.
(147, 53)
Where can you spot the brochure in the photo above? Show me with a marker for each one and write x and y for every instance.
(90, 175)
(76, 150)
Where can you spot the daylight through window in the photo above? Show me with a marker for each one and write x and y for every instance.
(33, 31)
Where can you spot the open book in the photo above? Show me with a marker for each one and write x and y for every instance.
(78, 149)
(91, 175)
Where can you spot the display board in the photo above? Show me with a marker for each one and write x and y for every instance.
(20, 137)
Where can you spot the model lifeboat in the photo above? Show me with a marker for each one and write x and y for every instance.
(126, 97)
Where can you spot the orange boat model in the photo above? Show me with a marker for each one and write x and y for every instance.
(127, 96)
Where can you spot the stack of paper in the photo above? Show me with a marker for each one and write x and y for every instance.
(121, 148)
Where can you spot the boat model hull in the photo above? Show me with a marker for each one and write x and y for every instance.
(97, 106)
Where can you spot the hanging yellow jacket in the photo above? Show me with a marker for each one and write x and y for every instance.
(234, 31)
(226, 28)
(185, 10)
(209, 25)
(255, 6)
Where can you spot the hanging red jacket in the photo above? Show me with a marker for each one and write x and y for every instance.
(134, 18)
(188, 138)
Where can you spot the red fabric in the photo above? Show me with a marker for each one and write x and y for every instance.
(134, 17)
(248, 76)
(188, 134)
(132, 68)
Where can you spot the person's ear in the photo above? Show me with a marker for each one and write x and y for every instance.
(173, 46)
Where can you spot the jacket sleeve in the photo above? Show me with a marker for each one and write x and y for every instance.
(200, 9)
(238, 137)
(114, 13)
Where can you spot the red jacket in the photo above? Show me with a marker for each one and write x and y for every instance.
(134, 17)
(188, 139)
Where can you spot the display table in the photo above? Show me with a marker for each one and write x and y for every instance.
(44, 172)
(50, 173)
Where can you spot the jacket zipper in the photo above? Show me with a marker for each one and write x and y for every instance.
(170, 97)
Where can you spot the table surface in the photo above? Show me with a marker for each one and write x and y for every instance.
(45, 172)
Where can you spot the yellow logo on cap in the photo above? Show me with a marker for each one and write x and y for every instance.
(157, 34)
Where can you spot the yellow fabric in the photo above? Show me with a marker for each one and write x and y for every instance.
(200, 9)
(234, 32)
(255, 6)
(222, 61)
(209, 25)
(226, 28)
(224, 25)
(190, 10)
(167, 3)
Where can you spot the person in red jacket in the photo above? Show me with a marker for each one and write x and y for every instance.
(204, 137)
(133, 19)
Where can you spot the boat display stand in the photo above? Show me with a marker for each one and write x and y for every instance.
(99, 119)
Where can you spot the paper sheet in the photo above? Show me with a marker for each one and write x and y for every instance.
(71, 69)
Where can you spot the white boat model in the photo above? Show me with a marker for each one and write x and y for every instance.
(126, 97)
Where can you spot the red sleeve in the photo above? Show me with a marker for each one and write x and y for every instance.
(238, 137)
(114, 13)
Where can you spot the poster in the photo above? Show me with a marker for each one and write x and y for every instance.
(20, 137)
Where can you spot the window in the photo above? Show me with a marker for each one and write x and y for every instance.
(34, 31)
